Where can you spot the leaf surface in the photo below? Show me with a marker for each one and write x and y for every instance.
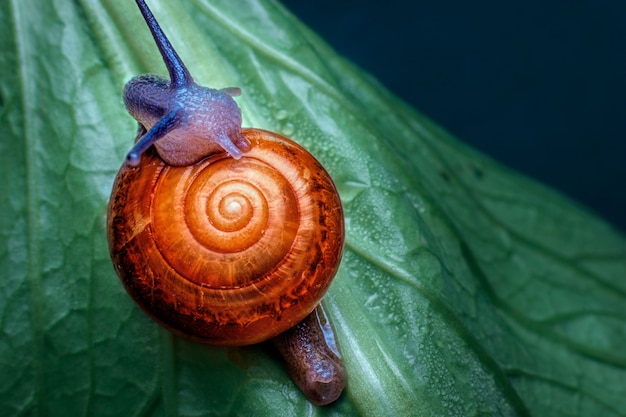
(465, 289)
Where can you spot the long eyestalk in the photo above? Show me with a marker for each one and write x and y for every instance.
(179, 75)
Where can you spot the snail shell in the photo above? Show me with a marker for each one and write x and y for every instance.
(227, 251)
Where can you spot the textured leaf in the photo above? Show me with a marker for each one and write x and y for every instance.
(465, 289)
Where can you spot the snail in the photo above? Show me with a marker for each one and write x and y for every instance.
(224, 235)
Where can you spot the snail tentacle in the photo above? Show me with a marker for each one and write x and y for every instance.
(161, 128)
(179, 75)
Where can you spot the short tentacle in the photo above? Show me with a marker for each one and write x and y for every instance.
(235, 148)
(231, 91)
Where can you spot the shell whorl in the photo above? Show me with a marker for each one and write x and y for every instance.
(228, 252)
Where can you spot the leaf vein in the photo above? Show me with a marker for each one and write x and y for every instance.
(32, 192)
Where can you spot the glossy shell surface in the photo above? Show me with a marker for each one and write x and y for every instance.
(225, 251)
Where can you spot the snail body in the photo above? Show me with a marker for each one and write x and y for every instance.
(224, 235)
(179, 129)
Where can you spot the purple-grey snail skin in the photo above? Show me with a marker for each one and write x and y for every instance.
(313, 358)
(226, 236)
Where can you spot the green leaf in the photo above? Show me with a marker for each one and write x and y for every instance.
(465, 289)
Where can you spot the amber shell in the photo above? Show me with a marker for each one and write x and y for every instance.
(227, 252)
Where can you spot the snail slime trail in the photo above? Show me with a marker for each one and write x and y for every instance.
(194, 241)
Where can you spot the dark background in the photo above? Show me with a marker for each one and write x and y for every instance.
(538, 84)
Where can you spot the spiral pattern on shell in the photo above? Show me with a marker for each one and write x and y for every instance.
(225, 251)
